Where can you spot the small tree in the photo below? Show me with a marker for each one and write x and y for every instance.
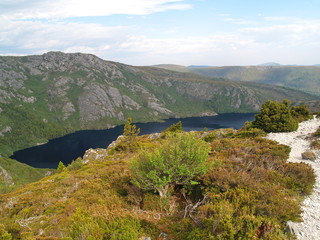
(130, 133)
(275, 116)
(177, 161)
(174, 128)
(129, 130)
(61, 167)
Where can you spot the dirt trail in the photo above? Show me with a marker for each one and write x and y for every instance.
(309, 229)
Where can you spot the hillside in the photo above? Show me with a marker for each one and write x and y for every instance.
(14, 174)
(305, 78)
(49, 95)
(249, 191)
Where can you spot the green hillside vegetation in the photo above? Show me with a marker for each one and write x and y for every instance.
(246, 191)
(18, 174)
(305, 78)
(49, 95)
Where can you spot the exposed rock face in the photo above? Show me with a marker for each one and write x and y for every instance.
(5, 177)
(81, 91)
(94, 154)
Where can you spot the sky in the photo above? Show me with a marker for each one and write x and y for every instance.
(148, 32)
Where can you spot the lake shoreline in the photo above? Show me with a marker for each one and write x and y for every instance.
(73, 145)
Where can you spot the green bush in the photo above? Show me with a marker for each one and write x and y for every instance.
(83, 226)
(126, 228)
(250, 133)
(177, 161)
(301, 113)
(61, 167)
(75, 164)
(4, 235)
(275, 117)
(129, 140)
(27, 236)
(177, 127)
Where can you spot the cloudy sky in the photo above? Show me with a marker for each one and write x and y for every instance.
(147, 32)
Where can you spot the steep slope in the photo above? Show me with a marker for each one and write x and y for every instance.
(14, 174)
(248, 192)
(48, 95)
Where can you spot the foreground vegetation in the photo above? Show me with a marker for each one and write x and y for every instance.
(245, 189)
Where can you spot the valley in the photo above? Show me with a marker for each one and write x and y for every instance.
(50, 95)
(304, 78)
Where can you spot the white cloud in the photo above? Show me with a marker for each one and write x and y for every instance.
(279, 39)
(285, 34)
(46, 9)
(36, 36)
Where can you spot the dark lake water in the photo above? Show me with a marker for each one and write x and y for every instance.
(74, 145)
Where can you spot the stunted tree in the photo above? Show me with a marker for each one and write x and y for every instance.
(179, 159)
(275, 116)
(129, 130)
(129, 141)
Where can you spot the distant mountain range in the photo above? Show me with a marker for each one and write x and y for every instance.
(270, 64)
(304, 78)
(49, 95)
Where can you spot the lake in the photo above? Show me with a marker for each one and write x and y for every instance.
(71, 146)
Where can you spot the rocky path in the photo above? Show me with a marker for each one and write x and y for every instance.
(309, 229)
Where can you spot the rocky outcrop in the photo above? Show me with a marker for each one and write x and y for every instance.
(5, 177)
(81, 91)
(94, 154)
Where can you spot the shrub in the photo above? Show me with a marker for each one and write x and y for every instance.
(126, 228)
(315, 144)
(300, 177)
(177, 127)
(27, 236)
(83, 226)
(218, 134)
(129, 140)
(75, 164)
(301, 113)
(317, 133)
(250, 133)
(61, 167)
(177, 161)
(275, 117)
(4, 235)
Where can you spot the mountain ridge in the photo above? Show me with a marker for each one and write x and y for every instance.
(49, 95)
(303, 78)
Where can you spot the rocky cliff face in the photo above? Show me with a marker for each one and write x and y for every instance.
(81, 91)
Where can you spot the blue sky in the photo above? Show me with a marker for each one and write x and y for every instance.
(147, 32)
